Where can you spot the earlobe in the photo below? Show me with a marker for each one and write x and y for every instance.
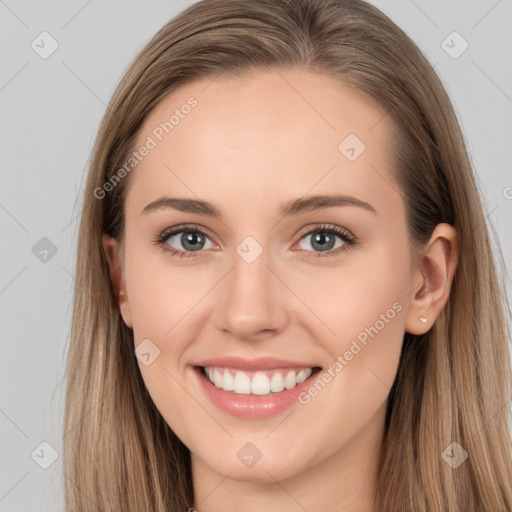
(112, 253)
(433, 279)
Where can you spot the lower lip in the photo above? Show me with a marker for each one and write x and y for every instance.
(251, 406)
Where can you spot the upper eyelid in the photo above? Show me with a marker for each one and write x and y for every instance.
(180, 228)
(308, 230)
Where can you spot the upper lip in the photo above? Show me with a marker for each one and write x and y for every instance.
(261, 363)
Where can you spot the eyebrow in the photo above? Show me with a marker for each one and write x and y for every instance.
(290, 208)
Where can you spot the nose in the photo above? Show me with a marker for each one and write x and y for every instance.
(251, 300)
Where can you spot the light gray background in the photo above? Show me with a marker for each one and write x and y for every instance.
(51, 109)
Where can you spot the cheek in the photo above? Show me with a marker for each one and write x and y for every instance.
(160, 302)
(164, 303)
(159, 296)
(368, 320)
(373, 310)
(364, 307)
(366, 288)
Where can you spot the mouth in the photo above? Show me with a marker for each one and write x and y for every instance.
(256, 394)
(257, 383)
(253, 388)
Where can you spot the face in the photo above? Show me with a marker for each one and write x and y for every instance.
(298, 306)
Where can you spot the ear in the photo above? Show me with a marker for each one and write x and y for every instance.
(433, 279)
(113, 254)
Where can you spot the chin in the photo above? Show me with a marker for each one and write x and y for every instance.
(265, 472)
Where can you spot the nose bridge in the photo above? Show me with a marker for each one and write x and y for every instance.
(252, 301)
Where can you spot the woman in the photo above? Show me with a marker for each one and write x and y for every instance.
(219, 360)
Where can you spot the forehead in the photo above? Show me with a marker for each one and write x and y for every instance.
(271, 136)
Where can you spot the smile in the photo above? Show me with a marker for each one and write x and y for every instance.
(256, 383)
(253, 389)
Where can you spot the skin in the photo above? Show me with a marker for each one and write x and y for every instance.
(249, 146)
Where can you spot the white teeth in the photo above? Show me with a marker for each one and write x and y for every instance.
(289, 380)
(228, 381)
(242, 384)
(276, 383)
(217, 378)
(303, 375)
(260, 384)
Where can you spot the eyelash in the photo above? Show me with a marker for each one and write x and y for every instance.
(350, 241)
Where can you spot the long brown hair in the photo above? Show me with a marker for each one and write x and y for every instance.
(453, 383)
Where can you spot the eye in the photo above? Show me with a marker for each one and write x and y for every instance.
(324, 237)
(189, 239)
(192, 240)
